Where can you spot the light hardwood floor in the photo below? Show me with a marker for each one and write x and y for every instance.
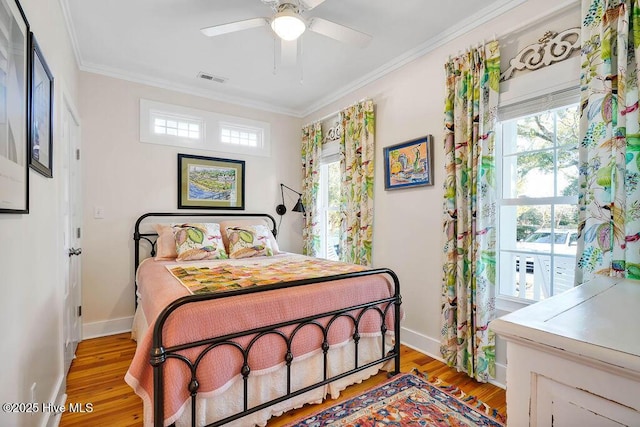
(97, 377)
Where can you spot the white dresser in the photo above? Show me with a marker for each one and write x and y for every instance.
(574, 359)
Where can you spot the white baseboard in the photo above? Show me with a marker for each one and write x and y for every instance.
(420, 342)
(501, 376)
(106, 327)
(55, 417)
(59, 398)
(431, 347)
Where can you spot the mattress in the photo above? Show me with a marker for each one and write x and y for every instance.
(221, 384)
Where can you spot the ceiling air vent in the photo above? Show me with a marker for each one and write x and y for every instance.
(211, 77)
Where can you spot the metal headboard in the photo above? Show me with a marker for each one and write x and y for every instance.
(151, 237)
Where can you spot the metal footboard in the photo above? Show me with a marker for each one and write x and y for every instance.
(160, 354)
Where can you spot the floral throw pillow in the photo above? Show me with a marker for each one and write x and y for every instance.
(198, 242)
(249, 241)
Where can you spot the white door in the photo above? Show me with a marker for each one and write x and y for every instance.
(72, 216)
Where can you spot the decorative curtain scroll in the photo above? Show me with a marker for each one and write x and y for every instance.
(469, 270)
(356, 166)
(311, 149)
(609, 200)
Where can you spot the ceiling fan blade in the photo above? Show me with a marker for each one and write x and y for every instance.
(338, 32)
(231, 27)
(310, 4)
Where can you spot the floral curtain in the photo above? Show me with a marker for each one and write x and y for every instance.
(356, 165)
(609, 200)
(469, 270)
(311, 150)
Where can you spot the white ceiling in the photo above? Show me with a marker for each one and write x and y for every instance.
(159, 42)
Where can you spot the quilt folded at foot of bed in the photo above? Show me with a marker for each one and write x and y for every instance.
(222, 365)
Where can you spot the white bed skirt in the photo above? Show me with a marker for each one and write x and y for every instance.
(268, 384)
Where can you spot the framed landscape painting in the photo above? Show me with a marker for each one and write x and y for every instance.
(210, 183)
(14, 70)
(409, 164)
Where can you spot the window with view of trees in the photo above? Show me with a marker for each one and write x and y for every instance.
(329, 202)
(538, 213)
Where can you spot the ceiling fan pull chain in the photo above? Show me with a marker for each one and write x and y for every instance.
(274, 56)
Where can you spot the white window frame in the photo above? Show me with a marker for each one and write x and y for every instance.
(519, 96)
(180, 123)
(150, 111)
(211, 125)
(508, 127)
(241, 130)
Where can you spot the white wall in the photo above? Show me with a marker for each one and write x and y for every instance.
(31, 278)
(409, 104)
(128, 178)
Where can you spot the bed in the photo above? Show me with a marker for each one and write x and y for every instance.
(248, 338)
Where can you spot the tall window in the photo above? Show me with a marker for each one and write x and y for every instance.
(330, 210)
(329, 202)
(538, 213)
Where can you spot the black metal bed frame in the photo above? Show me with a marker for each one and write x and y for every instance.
(151, 237)
(160, 354)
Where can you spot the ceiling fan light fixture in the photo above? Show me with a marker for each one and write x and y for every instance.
(288, 25)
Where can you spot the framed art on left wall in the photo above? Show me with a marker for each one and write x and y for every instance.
(14, 109)
(210, 183)
(41, 102)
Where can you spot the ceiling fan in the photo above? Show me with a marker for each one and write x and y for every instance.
(289, 24)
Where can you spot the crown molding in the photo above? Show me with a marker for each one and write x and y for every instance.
(560, 7)
(161, 83)
(465, 26)
(66, 13)
(187, 89)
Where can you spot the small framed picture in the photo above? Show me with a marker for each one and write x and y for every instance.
(210, 183)
(41, 101)
(409, 164)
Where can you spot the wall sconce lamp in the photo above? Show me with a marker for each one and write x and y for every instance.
(282, 209)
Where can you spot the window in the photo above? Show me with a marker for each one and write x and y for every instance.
(240, 135)
(329, 202)
(538, 213)
(178, 126)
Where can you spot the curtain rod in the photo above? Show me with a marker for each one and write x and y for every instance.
(323, 118)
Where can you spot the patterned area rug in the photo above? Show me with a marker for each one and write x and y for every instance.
(406, 400)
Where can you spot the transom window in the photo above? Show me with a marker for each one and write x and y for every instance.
(173, 126)
(179, 126)
(240, 135)
(538, 213)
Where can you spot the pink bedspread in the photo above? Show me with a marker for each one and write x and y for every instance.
(207, 319)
